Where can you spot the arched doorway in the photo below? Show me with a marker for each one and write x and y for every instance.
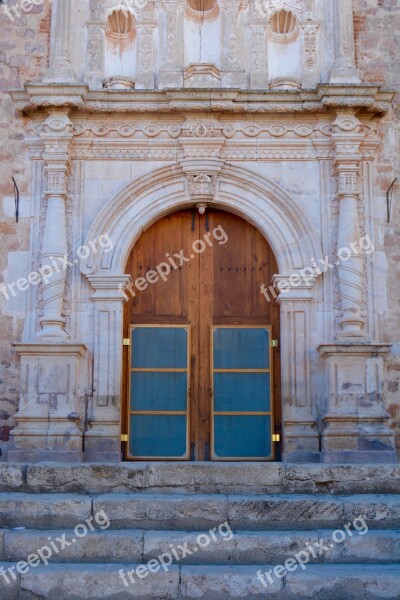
(201, 380)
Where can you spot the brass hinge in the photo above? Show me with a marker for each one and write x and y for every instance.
(127, 342)
(276, 437)
(124, 437)
(274, 343)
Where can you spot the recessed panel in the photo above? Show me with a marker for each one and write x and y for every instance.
(159, 348)
(241, 348)
(158, 436)
(242, 437)
(158, 391)
(245, 392)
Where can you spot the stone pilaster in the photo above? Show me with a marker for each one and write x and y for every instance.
(171, 72)
(145, 67)
(57, 136)
(102, 439)
(343, 68)
(310, 75)
(301, 438)
(60, 68)
(350, 261)
(233, 71)
(259, 55)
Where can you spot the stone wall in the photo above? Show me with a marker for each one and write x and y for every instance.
(377, 30)
(23, 57)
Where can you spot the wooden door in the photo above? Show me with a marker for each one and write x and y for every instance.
(205, 299)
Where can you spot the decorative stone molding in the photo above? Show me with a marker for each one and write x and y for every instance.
(268, 7)
(310, 55)
(202, 76)
(202, 9)
(36, 96)
(259, 56)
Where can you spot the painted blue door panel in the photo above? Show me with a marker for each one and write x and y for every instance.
(240, 348)
(242, 437)
(158, 391)
(159, 348)
(158, 436)
(242, 392)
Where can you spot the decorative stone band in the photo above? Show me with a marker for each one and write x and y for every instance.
(36, 96)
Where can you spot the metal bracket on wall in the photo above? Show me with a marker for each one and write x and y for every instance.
(389, 199)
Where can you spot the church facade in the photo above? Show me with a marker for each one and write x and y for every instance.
(204, 266)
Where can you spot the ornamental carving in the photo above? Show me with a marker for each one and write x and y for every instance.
(202, 129)
(202, 185)
(268, 7)
(310, 29)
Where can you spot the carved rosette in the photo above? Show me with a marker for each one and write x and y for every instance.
(57, 134)
(347, 139)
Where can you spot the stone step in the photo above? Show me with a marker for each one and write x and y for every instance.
(105, 581)
(199, 547)
(254, 478)
(199, 511)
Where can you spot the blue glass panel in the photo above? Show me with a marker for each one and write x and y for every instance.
(159, 347)
(162, 436)
(158, 391)
(240, 348)
(242, 437)
(242, 392)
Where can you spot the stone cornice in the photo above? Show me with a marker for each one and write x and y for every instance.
(79, 97)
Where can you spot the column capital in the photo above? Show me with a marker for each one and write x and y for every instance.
(109, 287)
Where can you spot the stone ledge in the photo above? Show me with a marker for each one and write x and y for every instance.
(80, 97)
(256, 478)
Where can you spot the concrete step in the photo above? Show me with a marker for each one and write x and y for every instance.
(105, 581)
(254, 478)
(199, 511)
(201, 548)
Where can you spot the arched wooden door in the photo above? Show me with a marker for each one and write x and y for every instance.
(202, 381)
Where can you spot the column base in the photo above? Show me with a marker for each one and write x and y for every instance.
(51, 404)
(359, 457)
(355, 421)
(102, 443)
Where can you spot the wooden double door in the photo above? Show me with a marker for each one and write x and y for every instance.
(202, 381)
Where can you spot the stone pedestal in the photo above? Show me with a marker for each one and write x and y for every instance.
(355, 416)
(51, 404)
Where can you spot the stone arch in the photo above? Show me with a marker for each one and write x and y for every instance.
(238, 190)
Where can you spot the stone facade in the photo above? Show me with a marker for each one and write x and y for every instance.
(287, 121)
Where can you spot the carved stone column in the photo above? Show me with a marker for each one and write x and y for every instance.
(343, 68)
(171, 72)
(355, 418)
(60, 68)
(300, 436)
(57, 136)
(102, 439)
(350, 261)
(233, 71)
